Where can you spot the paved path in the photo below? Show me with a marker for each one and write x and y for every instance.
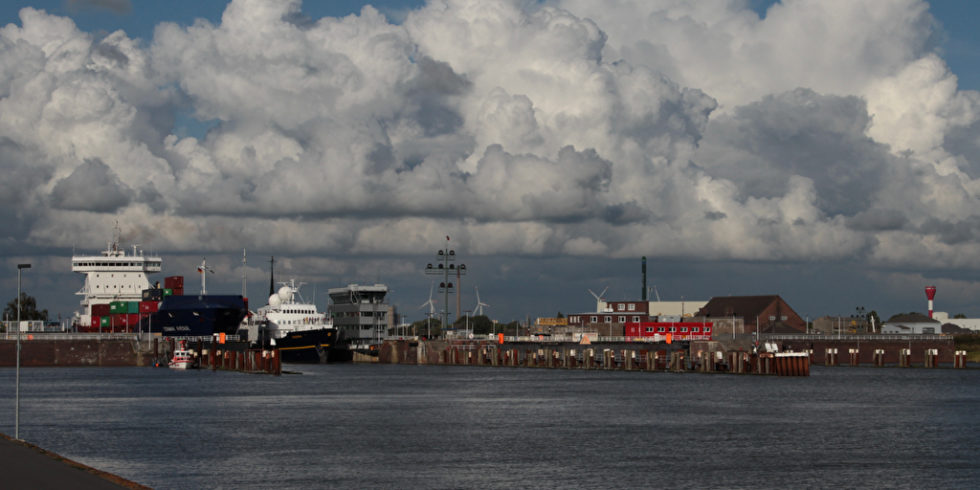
(23, 465)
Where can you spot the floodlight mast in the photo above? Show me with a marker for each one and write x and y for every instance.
(445, 263)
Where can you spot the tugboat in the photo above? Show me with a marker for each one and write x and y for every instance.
(302, 334)
(183, 357)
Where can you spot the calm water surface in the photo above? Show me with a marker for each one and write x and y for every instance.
(383, 426)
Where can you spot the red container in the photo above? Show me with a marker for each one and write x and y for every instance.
(133, 319)
(117, 322)
(95, 321)
(149, 306)
(173, 282)
(100, 310)
(179, 291)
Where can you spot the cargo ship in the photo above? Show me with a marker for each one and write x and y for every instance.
(302, 334)
(117, 297)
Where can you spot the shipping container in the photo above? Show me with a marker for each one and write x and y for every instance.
(168, 292)
(105, 321)
(133, 319)
(173, 282)
(154, 294)
(95, 322)
(132, 307)
(178, 291)
(100, 310)
(117, 307)
(149, 306)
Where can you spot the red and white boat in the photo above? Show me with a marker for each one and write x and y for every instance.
(183, 358)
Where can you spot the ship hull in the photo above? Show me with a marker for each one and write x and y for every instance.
(317, 346)
(198, 316)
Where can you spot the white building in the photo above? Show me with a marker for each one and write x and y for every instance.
(970, 323)
(915, 324)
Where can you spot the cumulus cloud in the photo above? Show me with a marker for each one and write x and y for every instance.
(822, 131)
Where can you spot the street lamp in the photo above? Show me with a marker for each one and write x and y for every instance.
(20, 267)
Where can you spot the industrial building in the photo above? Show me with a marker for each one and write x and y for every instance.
(746, 314)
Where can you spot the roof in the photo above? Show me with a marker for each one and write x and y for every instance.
(911, 318)
(741, 306)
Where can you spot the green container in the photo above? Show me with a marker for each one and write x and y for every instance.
(168, 292)
(104, 321)
(132, 307)
(119, 307)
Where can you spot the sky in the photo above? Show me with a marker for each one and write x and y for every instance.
(824, 150)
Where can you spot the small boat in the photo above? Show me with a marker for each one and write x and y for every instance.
(183, 357)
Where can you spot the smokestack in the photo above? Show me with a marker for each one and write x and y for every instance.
(644, 293)
(930, 295)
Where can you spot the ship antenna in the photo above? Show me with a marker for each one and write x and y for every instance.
(244, 273)
(115, 236)
(272, 275)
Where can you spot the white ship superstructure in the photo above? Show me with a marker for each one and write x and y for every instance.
(287, 312)
(113, 275)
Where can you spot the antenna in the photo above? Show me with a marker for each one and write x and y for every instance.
(204, 269)
(244, 273)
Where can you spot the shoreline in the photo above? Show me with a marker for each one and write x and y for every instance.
(34, 466)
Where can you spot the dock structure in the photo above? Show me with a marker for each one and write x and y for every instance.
(695, 357)
(238, 356)
(97, 350)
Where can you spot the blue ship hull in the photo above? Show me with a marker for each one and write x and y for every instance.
(198, 316)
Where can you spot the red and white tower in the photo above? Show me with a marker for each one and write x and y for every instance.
(930, 295)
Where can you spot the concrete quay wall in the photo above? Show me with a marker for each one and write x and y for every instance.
(77, 352)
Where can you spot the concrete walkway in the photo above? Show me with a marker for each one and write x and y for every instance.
(23, 465)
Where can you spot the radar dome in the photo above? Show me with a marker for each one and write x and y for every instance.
(284, 293)
(274, 301)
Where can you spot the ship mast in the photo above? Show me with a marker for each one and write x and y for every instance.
(244, 273)
(272, 276)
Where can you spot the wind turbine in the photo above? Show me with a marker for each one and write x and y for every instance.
(204, 269)
(479, 304)
(598, 299)
(432, 305)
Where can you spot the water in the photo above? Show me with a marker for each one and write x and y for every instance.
(384, 426)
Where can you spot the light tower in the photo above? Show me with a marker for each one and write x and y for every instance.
(444, 267)
(930, 295)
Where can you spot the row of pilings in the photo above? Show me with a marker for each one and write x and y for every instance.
(235, 356)
(619, 357)
(930, 358)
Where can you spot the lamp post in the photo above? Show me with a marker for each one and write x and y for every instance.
(20, 267)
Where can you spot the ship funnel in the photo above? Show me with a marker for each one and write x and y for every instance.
(930, 295)
(643, 293)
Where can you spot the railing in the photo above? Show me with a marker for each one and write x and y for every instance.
(68, 336)
(24, 336)
(849, 337)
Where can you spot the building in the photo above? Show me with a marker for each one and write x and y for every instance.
(911, 323)
(767, 314)
(967, 323)
(360, 314)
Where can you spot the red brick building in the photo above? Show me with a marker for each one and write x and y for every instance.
(770, 313)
